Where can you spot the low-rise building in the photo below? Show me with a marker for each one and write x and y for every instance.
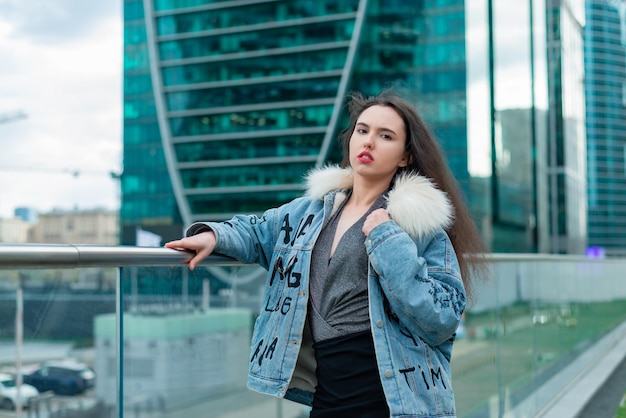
(14, 230)
(94, 226)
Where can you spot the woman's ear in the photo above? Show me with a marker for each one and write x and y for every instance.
(407, 160)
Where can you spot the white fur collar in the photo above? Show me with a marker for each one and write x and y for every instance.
(414, 203)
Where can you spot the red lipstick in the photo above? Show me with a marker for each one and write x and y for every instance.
(365, 157)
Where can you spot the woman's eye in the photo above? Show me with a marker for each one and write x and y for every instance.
(361, 131)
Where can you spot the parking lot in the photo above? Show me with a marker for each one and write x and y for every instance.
(51, 405)
(48, 404)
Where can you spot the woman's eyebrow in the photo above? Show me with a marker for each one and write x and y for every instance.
(383, 129)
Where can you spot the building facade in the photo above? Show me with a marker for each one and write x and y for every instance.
(147, 197)
(97, 226)
(605, 78)
(567, 185)
(14, 230)
(525, 115)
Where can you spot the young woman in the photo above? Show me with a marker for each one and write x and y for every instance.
(367, 274)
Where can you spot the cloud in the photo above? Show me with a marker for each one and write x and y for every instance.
(67, 78)
(50, 22)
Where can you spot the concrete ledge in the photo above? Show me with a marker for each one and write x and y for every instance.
(567, 393)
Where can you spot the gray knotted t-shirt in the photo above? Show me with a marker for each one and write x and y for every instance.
(338, 285)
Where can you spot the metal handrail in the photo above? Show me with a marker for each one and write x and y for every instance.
(75, 255)
(71, 256)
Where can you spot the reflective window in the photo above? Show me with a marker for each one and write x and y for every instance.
(139, 84)
(296, 8)
(232, 17)
(180, 4)
(135, 58)
(282, 146)
(290, 37)
(269, 65)
(139, 108)
(134, 34)
(133, 10)
(260, 120)
(247, 94)
(237, 176)
(137, 133)
(238, 202)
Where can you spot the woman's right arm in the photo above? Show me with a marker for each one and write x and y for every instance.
(199, 247)
(247, 238)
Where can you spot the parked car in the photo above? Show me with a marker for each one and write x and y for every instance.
(8, 392)
(62, 378)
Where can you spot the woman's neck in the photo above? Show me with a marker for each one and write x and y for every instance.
(365, 193)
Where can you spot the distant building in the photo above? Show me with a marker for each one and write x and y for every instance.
(97, 226)
(605, 82)
(14, 230)
(27, 214)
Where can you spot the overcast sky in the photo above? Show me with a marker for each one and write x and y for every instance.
(60, 64)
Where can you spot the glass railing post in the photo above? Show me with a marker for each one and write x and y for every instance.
(119, 341)
(19, 333)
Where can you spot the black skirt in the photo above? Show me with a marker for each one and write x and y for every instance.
(348, 380)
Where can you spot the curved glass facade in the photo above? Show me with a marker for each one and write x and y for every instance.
(245, 95)
(249, 95)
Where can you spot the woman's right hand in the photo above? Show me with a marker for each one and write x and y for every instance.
(200, 246)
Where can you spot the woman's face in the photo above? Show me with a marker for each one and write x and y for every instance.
(377, 144)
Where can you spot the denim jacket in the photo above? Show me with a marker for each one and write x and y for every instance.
(416, 296)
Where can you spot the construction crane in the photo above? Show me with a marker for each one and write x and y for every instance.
(10, 117)
(13, 116)
(52, 170)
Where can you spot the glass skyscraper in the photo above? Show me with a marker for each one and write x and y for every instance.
(147, 194)
(566, 126)
(227, 104)
(525, 115)
(605, 77)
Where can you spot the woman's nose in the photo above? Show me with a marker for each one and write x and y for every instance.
(369, 141)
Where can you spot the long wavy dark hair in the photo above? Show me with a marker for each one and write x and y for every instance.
(427, 159)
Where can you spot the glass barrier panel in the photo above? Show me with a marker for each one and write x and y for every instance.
(47, 341)
(529, 324)
(186, 344)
